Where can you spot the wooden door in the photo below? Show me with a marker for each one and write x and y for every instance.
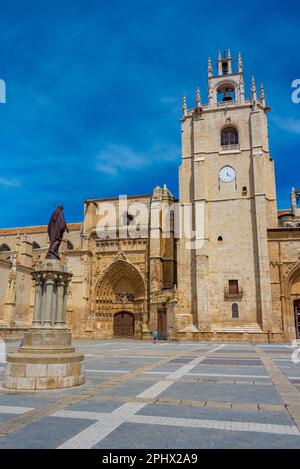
(162, 330)
(123, 324)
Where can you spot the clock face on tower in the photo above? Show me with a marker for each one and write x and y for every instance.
(227, 174)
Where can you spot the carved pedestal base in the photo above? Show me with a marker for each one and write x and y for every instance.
(45, 361)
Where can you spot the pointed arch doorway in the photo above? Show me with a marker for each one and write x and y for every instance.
(295, 296)
(120, 301)
(292, 303)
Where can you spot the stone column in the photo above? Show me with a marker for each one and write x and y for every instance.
(67, 280)
(49, 287)
(10, 298)
(60, 319)
(37, 312)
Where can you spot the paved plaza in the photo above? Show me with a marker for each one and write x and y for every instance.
(165, 395)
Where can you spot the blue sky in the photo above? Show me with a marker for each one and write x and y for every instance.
(94, 92)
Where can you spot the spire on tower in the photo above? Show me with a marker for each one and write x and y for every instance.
(242, 89)
(253, 85)
(240, 63)
(229, 54)
(210, 94)
(184, 107)
(253, 91)
(262, 94)
(198, 98)
(219, 55)
(209, 68)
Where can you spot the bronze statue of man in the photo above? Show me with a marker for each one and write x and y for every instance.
(56, 228)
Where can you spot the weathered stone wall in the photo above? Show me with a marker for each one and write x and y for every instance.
(284, 253)
(5, 267)
(16, 299)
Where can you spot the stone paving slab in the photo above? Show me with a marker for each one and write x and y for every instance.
(226, 392)
(93, 405)
(4, 417)
(126, 357)
(26, 399)
(168, 368)
(180, 360)
(223, 379)
(129, 388)
(291, 371)
(278, 353)
(231, 370)
(231, 361)
(219, 413)
(127, 366)
(46, 433)
(224, 353)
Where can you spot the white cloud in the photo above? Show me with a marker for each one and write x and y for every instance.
(289, 124)
(170, 100)
(9, 182)
(117, 158)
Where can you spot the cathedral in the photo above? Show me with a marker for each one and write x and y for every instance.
(220, 263)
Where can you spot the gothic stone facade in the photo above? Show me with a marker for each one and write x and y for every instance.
(237, 279)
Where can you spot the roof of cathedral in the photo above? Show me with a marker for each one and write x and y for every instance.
(35, 229)
(143, 196)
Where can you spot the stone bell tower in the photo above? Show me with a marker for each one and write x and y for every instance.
(227, 184)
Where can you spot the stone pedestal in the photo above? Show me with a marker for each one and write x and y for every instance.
(46, 359)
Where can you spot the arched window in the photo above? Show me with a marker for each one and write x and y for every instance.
(70, 245)
(229, 138)
(220, 239)
(235, 310)
(225, 68)
(4, 248)
(36, 245)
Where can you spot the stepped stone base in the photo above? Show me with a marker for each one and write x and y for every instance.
(46, 360)
(233, 336)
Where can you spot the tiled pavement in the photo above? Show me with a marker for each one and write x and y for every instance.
(166, 395)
